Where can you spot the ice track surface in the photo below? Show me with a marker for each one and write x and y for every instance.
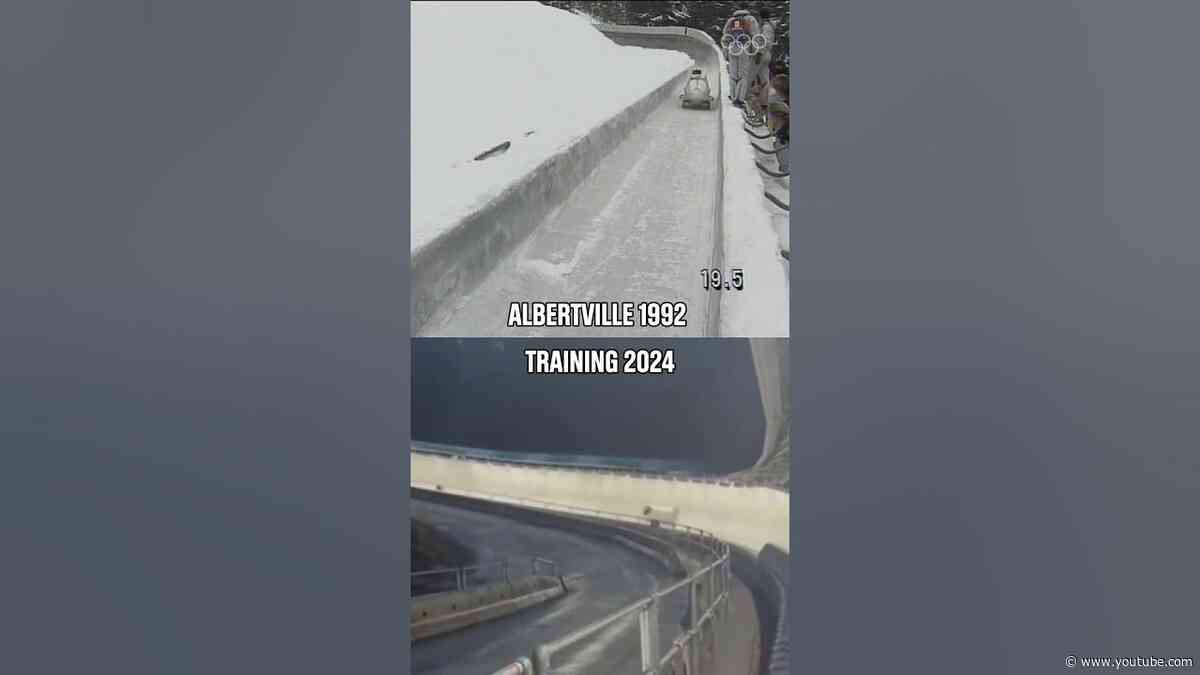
(639, 228)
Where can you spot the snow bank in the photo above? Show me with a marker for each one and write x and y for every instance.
(591, 19)
(488, 72)
(751, 240)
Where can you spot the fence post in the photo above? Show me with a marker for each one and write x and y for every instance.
(712, 586)
(702, 634)
(507, 578)
(648, 630)
(695, 598)
(541, 660)
(458, 578)
(710, 590)
(728, 581)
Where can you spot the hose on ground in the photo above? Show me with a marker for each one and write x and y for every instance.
(774, 174)
(751, 132)
(768, 150)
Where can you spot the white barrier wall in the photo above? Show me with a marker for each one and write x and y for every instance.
(657, 30)
(771, 366)
(745, 516)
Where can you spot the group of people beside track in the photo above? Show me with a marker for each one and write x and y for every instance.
(760, 85)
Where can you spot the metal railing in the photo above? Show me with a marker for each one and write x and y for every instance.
(462, 575)
(520, 667)
(708, 602)
(722, 481)
(708, 599)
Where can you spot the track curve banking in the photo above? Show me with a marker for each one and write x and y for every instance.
(639, 228)
(615, 576)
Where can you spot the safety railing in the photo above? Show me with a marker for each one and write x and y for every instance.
(707, 596)
(463, 575)
(707, 602)
(520, 667)
(722, 481)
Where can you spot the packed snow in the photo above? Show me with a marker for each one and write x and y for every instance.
(488, 72)
(753, 239)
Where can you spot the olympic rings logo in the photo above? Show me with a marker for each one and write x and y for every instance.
(743, 44)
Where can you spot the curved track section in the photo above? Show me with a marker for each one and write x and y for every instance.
(639, 228)
(614, 577)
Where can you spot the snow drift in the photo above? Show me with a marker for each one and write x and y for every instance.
(488, 72)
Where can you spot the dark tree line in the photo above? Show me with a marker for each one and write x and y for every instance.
(708, 15)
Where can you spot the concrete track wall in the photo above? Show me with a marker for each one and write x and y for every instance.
(772, 367)
(777, 565)
(448, 612)
(745, 516)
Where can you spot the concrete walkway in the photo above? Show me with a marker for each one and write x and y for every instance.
(738, 640)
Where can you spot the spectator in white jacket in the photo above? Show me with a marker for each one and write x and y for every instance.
(762, 60)
(739, 31)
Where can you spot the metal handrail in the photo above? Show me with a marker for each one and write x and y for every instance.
(498, 563)
(719, 573)
(628, 609)
(460, 573)
(681, 642)
(522, 666)
(648, 621)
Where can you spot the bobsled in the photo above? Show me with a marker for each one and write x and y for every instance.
(696, 91)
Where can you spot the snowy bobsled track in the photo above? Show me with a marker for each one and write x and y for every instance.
(640, 227)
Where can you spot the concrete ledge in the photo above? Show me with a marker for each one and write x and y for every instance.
(772, 368)
(447, 612)
(458, 259)
(658, 30)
